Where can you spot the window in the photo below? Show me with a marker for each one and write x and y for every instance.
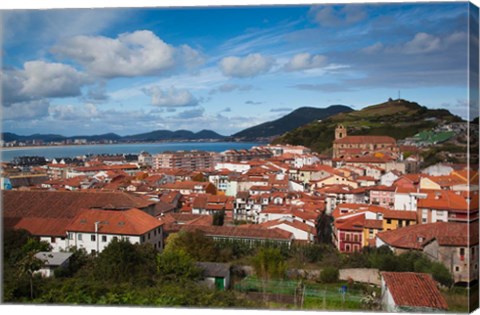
(462, 251)
(52, 240)
(70, 236)
(457, 268)
(93, 238)
(389, 221)
(79, 236)
(104, 238)
(142, 239)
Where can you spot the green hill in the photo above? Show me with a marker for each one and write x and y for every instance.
(295, 119)
(396, 118)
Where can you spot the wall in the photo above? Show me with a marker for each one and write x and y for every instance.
(365, 275)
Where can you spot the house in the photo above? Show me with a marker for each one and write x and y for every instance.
(383, 196)
(455, 245)
(215, 275)
(448, 205)
(46, 214)
(358, 224)
(190, 187)
(389, 178)
(52, 261)
(302, 232)
(411, 292)
(94, 229)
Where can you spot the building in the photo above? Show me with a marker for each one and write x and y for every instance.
(455, 245)
(356, 225)
(51, 262)
(356, 146)
(215, 275)
(46, 214)
(188, 160)
(411, 292)
(190, 187)
(94, 229)
(448, 206)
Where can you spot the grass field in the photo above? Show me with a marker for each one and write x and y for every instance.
(316, 296)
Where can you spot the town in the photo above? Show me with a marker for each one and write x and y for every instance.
(347, 231)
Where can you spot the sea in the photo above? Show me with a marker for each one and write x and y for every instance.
(51, 152)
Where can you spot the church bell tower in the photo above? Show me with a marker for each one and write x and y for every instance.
(340, 132)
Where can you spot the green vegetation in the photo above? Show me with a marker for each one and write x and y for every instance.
(396, 118)
(385, 260)
(329, 275)
(295, 119)
(123, 274)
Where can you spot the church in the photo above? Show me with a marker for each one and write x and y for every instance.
(345, 146)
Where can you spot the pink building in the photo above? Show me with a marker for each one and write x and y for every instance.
(383, 196)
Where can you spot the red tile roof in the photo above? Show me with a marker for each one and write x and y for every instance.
(412, 289)
(236, 232)
(366, 139)
(48, 212)
(128, 222)
(417, 236)
(445, 200)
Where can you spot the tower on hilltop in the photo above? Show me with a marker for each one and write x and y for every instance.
(340, 132)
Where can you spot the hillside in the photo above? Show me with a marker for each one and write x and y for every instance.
(295, 119)
(396, 118)
(173, 135)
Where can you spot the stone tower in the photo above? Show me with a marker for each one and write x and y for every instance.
(340, 132)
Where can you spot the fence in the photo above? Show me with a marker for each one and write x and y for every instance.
(303, 295)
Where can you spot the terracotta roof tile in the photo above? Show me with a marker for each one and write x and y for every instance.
(128, 222)
(417, 236)
(412, 289)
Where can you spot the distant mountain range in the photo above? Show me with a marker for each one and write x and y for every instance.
(295, 119)
(271, 129)
(157, 135)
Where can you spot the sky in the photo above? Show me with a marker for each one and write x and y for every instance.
(134, 70)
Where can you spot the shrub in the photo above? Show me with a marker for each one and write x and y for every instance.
(329, 275)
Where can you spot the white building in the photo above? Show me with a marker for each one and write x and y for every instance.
(93, 230)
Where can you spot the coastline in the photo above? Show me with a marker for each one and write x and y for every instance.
(33, 147)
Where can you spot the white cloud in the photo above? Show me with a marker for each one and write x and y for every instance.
(140, 53)
(26, 110)
(39, 79)
(249, 66)
(422, 43)
(171, 97)
(71, 112)
(331, 16)
(305, 61)
(372, 49)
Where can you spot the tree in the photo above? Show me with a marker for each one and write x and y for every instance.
(177, 265)
(195, 244)
(269, 264)
(219, 218)
(27, 267)
(122, 261)
(324, 229)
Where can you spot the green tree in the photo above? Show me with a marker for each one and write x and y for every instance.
(122, 261)
(195, 244)
(219, 218)
(177, 265)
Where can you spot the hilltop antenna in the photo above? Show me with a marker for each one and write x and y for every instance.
(399, 94)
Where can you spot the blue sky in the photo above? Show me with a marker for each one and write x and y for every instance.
(92, 71)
